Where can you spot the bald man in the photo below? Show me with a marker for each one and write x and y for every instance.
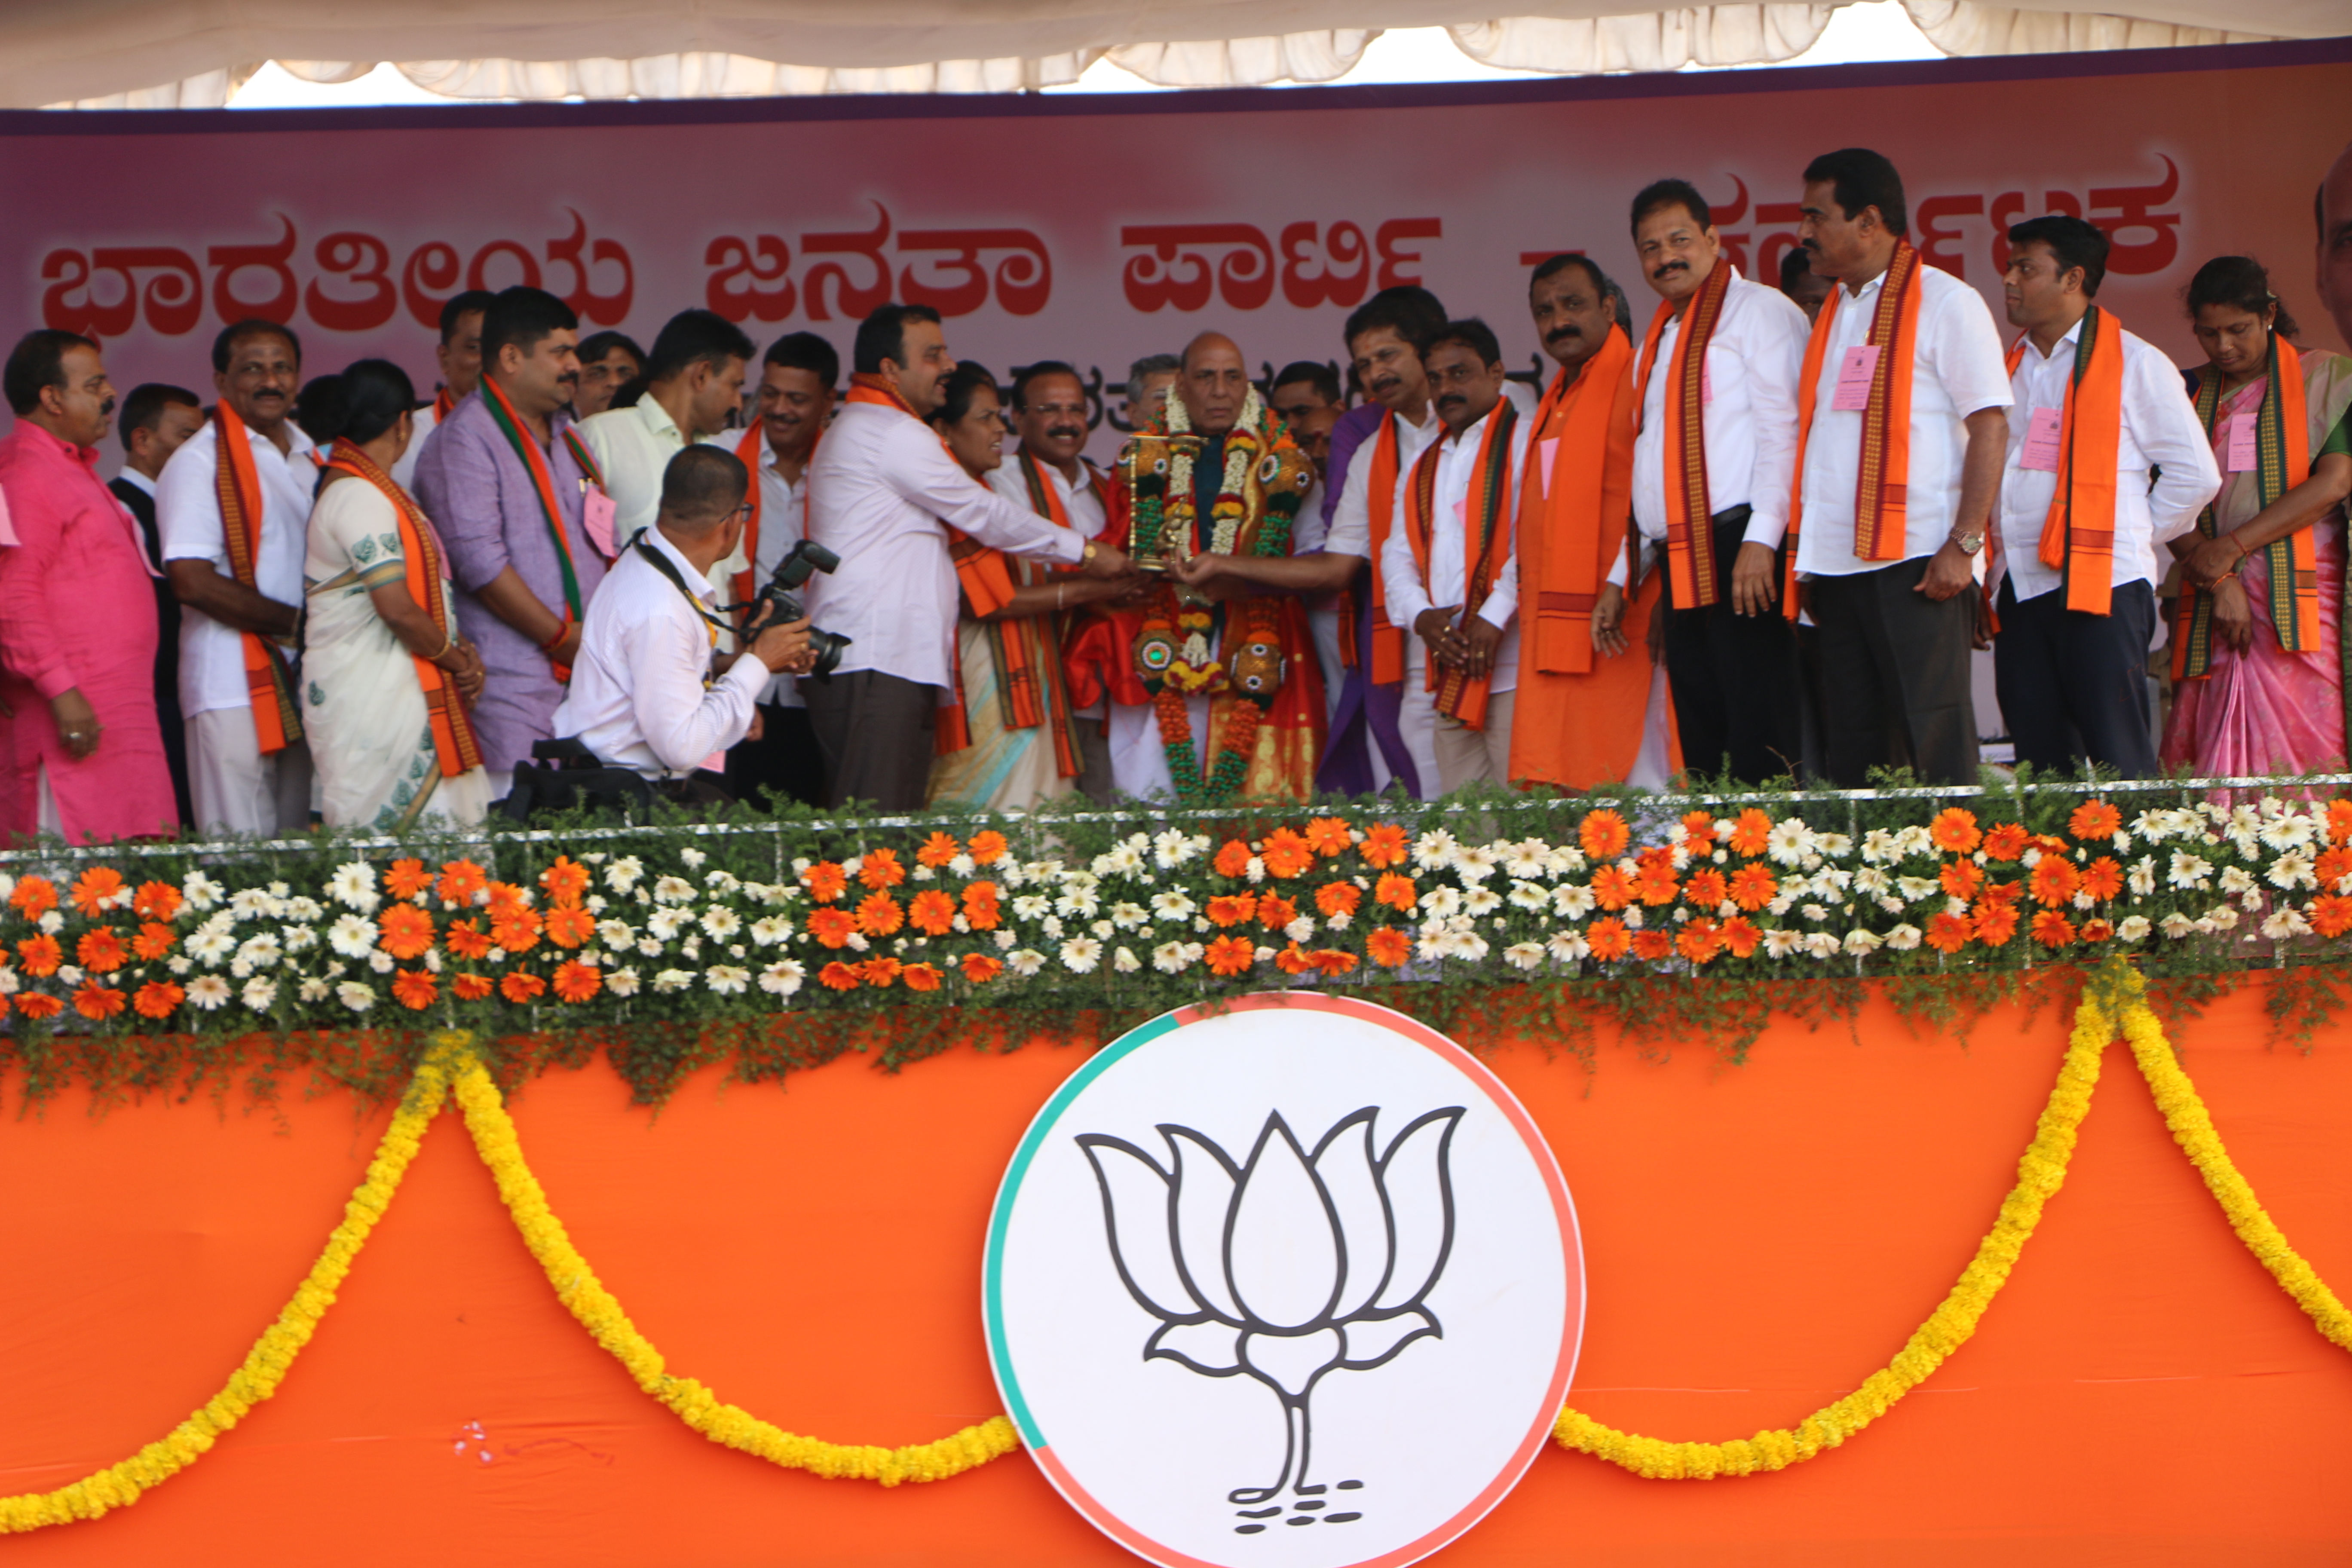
(2333, 209)
(1214, 687)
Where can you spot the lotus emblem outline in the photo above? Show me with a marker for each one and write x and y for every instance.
(1284, 1266)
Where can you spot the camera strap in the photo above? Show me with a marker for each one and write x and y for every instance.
(669, 569)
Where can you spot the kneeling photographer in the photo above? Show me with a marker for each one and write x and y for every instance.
(644, 696)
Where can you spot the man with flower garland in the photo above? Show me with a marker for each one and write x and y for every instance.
(1214, 687)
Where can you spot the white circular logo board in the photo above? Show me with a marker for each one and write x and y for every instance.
(1296, 1284)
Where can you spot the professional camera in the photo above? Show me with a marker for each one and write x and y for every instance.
(778, 603)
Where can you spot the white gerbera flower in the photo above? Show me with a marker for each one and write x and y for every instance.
(615, 933)
(1128, 916)
(673, 890)
(726, 979)
(380, 961)
(2292, 870)
(1172, 849)
(664, 924)
(1476, 864)
(2292, 831)
(1032, 905)
(1790, 841)
(200, 891)
(1573, 901)
(2224, 918)
(721, 922)
(1081, 955)
(1904, 938)
(208, 993)
(1567, 946)
(1823, 944)
(1173, 904)
(2236, 880)
(260, 996)
(693, 857)
(1524, 955)
(1171, 957)
(1860, 942)
(669, 981)
(354, 886)
(2285, 921)
(2191, 870)
(1300, 930)
(782, 978)
(650, 946)
(359, 998)
(1780, 943)
(2132, 928)
(1440, 903)
(1914, 888)
(351, 935)
(1124, 962)
(1435, 850)
(2176, 925)
(209, 946)
(770, 929)
(1005, 941)
(1026, 962)
(1481, 901)
(1527, 859)
(622, 983)
(1526, 895)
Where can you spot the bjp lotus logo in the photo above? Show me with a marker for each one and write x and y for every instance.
(1285, 1267)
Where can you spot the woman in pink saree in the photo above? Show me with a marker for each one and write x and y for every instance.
(2257, 644)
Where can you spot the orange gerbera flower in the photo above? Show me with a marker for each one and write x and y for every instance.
(577, 981)
(931, 912)
(1274, 913)
(2339, 821)
(94, 887)
(880, 914)
(566, 880)
(1753, 885)
(2006, 841)
(154, 941)
(980, 968)
(881, 869)
(1396, 889)
(34, 897)
(1292, 960)
(158, 999)
(2053, 929)
(2103, 878)
(1651, 945)
(40, 955)
(1232, 860)
(1384, 846)
(831, 927)
(459, 882)
(1231, 954)
(156, 902)
(2052, 881)
(1287, 854)
(921, 976)
(415, 989)
(1388, 946)
(1961, 879)
(1339, 899)
(839, 977)
(2002, 893)
(1612, 888)
(1609, 939)
(100, 951)
(1657, 884)
(407, 878)
(96, 1001)
(1953, 831)
(1741, 934)
(1705, 888)
(937, 850)
(1329, 837)
(1995, 922)
(521, 986)
(826, 882)
(979, 906)
(1751, 833)
(2097, 930)
(1604, 835)
(570, 927)
(1331, 961)
(1699, 941)
(1698, 831)
(39, 1004)
(515, 929)
(2333, 866)
(504, 897)
(471, 987)
(1948, 933)
(1232, 909)
(2094, 819)
(2331, 914)
(881, 973)
(988, 846)
(467, 941)
(404, 931)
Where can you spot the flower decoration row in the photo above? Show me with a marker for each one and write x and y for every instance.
(669, 932)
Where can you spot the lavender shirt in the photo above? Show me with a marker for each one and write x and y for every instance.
(479, 496)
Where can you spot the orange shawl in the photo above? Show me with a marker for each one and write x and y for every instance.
(1489, 524)
(236, 485)
(1388, 638)
(1690, 534)
(1572, 529)
(2078, 536)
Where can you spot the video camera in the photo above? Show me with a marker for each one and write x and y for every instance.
(778, 603)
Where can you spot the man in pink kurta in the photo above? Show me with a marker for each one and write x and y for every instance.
(83, 757)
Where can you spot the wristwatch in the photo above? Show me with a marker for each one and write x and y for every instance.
(1969, 543)
(1086, 555)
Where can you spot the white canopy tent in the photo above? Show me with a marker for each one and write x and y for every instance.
(164, 54)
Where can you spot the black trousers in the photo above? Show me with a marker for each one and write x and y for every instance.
(875, 732)
(1894, 677)
(784, 761)
(1734, 676)
(2072, 685)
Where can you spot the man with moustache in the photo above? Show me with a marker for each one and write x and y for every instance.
(234, 553)
(1450, 568)
(82, 756)
(509, 484)
(2074, 572)
(1213, 684)
(1717, 377)
(609, 360)
(694, 382)
(1587, 711)
(1301, 386)
(459, 355)
(157, 420)
(886, 496)
(2331, 209)
(795, 398)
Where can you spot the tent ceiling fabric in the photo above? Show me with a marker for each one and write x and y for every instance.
(157, 54)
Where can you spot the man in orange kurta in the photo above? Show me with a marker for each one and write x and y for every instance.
(1586, 713)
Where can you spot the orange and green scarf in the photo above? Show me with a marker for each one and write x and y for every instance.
(1690, 534)
(1488, 526)
(2282, 461)
(236, 484)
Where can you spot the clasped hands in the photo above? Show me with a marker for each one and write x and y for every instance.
(2212, 564)
(1467, 648)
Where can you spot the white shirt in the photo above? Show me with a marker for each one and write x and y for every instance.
(634, 446)
(883, 493)
(188, 522)
(2160, 431)
(1082, 500)
(1959, 370)
(1351, 517)
(636, 697)
(783, 523)
(404, 472)
(1748, 416)
(1407, 596)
